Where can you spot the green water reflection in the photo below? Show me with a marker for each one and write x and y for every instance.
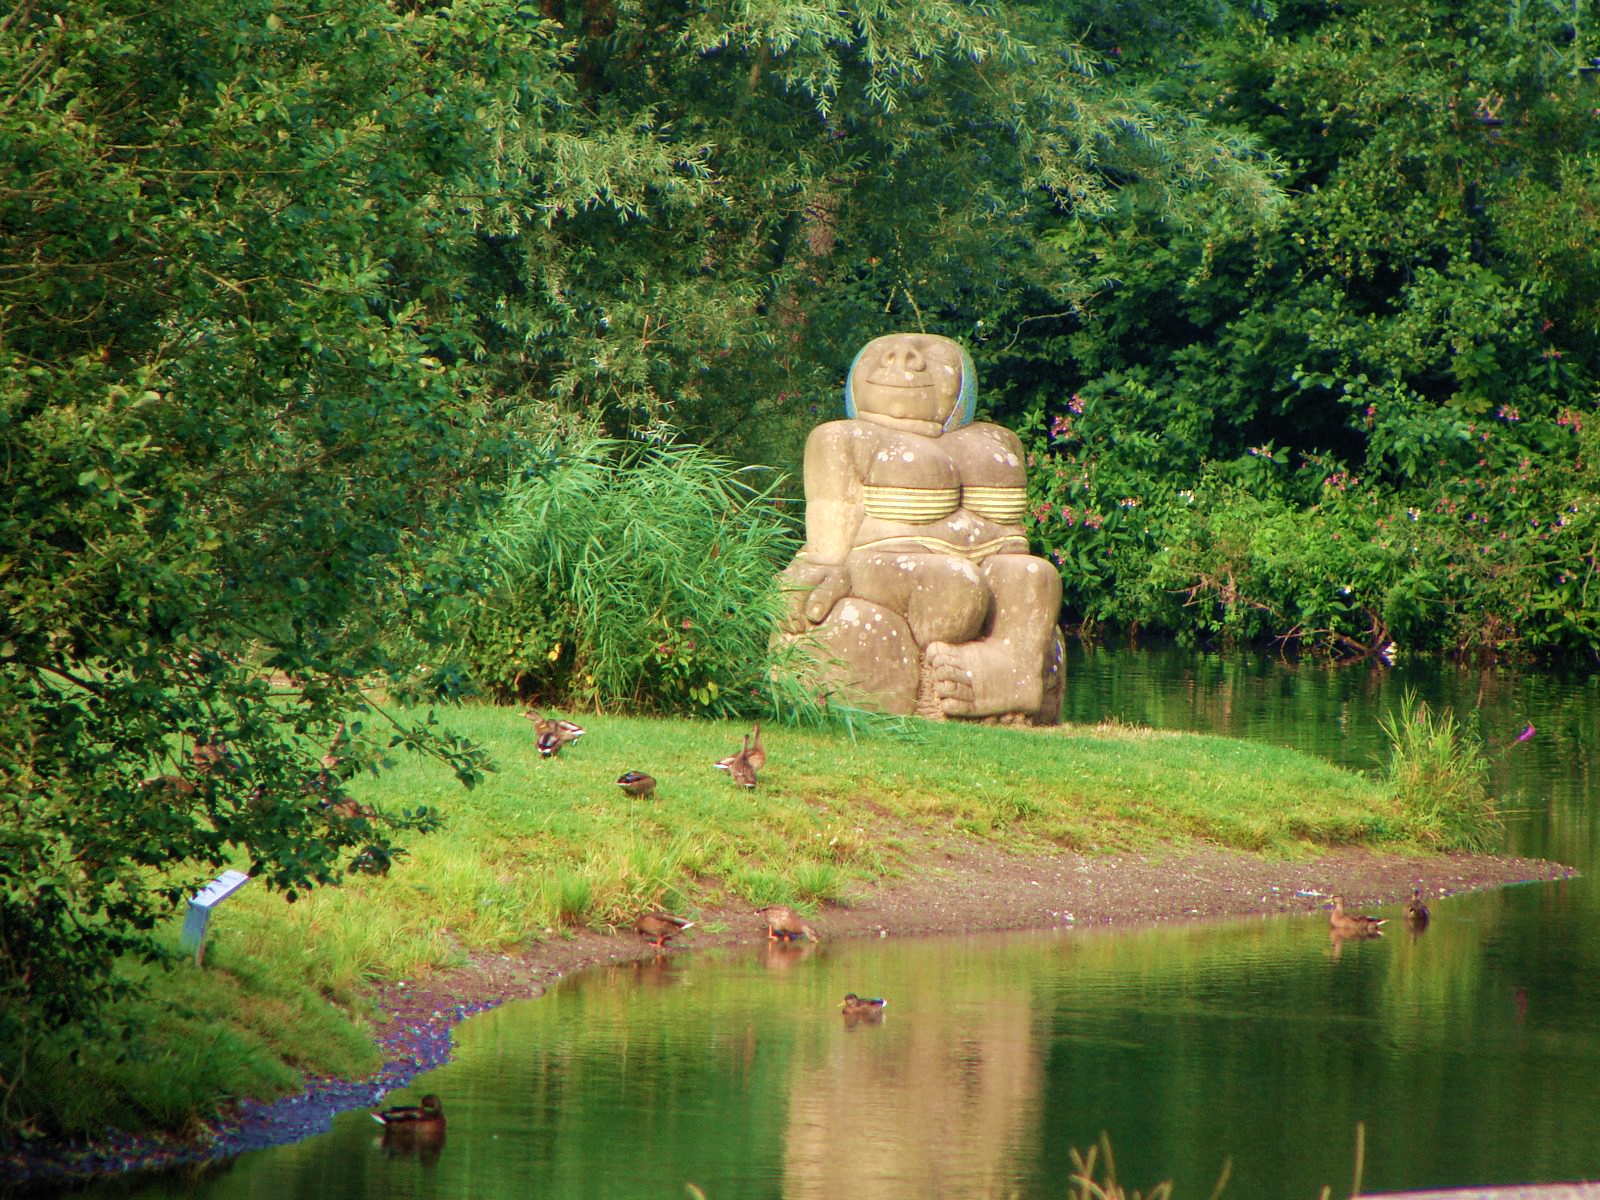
(1470, 1053)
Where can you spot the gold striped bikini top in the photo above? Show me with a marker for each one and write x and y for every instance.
(919, 506)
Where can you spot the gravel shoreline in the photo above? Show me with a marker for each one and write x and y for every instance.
(953, 887)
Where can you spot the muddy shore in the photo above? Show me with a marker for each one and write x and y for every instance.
(950, 888)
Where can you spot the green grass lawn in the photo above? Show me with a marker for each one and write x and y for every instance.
(546, 844)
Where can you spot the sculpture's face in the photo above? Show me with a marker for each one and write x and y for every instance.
(908, 376)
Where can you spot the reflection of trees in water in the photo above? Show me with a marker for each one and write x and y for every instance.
(939, 1094)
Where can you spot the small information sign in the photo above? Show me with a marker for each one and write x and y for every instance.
(200, 906)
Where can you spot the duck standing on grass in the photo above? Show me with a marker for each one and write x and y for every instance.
(1416, 911)
(552, 733)
(418, 1120)
(636, 783)
(740, 767)
(1352, 924)
(783, 922)
(659, 928)
(857, 1009)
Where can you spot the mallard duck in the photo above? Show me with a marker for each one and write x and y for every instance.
(740, 768)
(783, 922)
(1348, 923)
(659, 928)
(753, 755)
(347, 808)
(212, 756)
(552, 733)
(636, 783)
(173, 787)
(424, 1118)
(855, 1006)
(1416, 910)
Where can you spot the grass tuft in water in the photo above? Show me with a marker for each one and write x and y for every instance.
(1439, 777)
(1085, 1186)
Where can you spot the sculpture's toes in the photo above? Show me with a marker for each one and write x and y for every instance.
(952, 679)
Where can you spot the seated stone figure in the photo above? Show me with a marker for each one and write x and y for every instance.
(915, 575)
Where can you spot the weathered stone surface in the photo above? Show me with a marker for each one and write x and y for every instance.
(913, 511)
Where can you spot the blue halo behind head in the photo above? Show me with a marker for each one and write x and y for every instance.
(966, 399)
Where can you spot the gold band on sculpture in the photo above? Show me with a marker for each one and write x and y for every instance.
(975, 553)
(917, 505)
(1005, 504)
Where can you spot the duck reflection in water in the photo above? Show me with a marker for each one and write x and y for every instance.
(781, 955)
(413, 1130)
(857, 1010)
(1340, 936)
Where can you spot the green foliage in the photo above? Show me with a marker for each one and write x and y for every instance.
(1438, 772)
(1365, 421)
(224, 422)
(634, 574)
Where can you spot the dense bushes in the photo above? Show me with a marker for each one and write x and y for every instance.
(1371, 420)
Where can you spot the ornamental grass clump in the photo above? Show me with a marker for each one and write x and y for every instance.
(1437, 772)
(637, 574)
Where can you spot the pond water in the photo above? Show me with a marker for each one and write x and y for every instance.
(1468, 1054)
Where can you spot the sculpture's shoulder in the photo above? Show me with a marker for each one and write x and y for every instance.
(987, 454)
(847, 433)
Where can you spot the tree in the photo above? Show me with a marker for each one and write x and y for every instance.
(1415, 335)
(230, 437)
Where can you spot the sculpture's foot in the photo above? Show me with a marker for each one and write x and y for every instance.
(981, 679)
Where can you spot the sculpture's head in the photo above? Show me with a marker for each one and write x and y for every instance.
(920, 380)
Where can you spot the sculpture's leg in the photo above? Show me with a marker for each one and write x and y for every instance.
(944, 597)
(1002, 671)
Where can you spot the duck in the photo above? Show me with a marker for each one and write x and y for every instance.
(1352, 923)
(659, 928)
(744, 765)
(349, 809)
(855, 1006)
(783, 922)
(636, 783)
(424, 1118)
(552, 733)
(741, 768)
(1416, 910)
(213, 756)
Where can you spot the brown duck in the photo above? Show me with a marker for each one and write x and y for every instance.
(659, 928)
(347, 808)
(756, 753)
(420, 1119)
(1352, 923)
(739, 766)
(636, 783)
(783, 922)
(552, 733)
(744, 765)
(1416, 910)
(855, 1006)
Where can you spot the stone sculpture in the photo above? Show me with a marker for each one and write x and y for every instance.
(915, 576)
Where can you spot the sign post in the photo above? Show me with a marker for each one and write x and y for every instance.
(200, 906)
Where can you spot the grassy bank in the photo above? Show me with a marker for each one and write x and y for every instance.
(545, 845)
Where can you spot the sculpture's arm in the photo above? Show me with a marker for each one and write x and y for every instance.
(835, 500)
(818, 577)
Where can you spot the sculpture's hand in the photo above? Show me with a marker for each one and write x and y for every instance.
(814, 588)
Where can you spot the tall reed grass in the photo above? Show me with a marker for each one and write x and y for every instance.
(642, 574)
(1439, 776)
